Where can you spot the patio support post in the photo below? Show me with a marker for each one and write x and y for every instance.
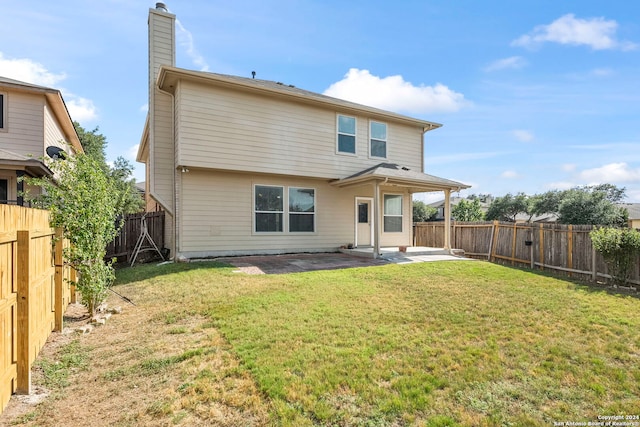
(376, 219)
(447, 219)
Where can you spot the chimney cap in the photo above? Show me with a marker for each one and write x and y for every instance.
(161, 6)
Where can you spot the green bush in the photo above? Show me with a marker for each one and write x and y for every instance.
(620, 248)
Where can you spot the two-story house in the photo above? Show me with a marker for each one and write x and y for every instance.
(34, 123)
(248, 166)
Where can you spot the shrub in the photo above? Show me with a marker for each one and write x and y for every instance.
(620, 248)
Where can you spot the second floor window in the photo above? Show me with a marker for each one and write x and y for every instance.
(2, 110)
(378, 139)
(346, 134)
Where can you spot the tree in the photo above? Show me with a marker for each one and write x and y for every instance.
(506, 208)
(94, 144)
(468, 210)
(124, 185)
(546, 203)
(82, 203)
(620, 248)
(129, 200)
(592, 205)
(422, 212)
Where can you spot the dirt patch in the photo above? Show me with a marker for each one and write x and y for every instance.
(145, 367)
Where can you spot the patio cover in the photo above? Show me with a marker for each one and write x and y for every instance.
(14, 161)
(415, 182)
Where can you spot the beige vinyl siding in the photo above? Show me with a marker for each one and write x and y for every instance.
(53, 134)
(404, 238)
(162, 151)
(161, 42)
(24, 125)
(216, 216)
(237, 130)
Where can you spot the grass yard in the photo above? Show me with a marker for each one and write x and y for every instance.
(429, 344)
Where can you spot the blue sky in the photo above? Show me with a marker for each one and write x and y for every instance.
(533, 95)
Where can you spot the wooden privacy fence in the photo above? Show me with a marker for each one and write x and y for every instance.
(559, 247)
(122, 246)
(34, 293)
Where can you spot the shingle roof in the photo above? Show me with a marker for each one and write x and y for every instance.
(403, 174)
(633, 209)
(33, 166)
(12, 82)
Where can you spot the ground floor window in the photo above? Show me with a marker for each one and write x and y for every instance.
(271, 209)
(4, 190)
(302, 209)
(392, 213)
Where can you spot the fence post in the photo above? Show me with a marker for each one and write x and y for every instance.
(531, 249)
(23, 380)
(494, 237)
(513, 243)
(570, 248)
(541, 247)
(59, 281)
(594, 264)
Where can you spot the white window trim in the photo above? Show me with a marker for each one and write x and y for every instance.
(386, 140)
(5, 114)
(255, 211)
(314, 213)
(355, 136)
(285, 212)
(395, 216)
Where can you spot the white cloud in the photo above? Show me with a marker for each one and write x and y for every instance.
(569, 167)
(144, 108)
(633, 195)
(81, 109)
(29, 71)
(602, 72)
(132, 152)
(25, 70)
(560, 185)
(185, 39)
(598, 33)
(510, 175)
(611, 173)
(395, 94)
(523, 135)
(513, 62)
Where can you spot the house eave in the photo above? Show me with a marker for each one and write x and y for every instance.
(141, 157)
(58, 106)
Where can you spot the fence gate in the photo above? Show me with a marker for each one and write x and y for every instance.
(8, 316)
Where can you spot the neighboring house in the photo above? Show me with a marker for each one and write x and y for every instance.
(633, 210)
(34, 122)
(248, 166)
(440, 206)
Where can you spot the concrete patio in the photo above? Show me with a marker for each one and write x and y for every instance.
(347, 258)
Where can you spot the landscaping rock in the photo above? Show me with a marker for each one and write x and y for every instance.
(85, 329)
(115, 310)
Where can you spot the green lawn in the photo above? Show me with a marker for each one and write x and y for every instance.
(429, 344)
